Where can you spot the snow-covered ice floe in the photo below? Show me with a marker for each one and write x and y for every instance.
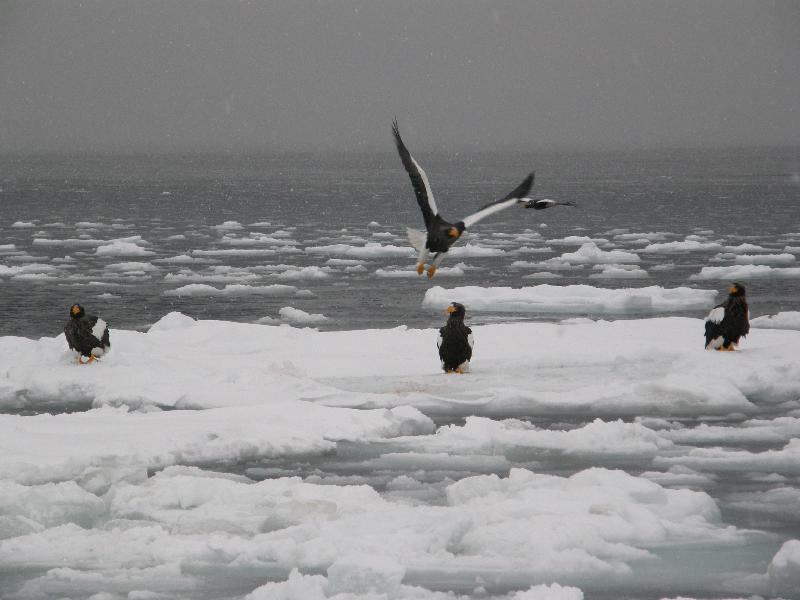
(782, 320)
(571, 299)
(745, 272)
(125, 499)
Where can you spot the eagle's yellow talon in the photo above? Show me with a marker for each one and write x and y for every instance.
(420, 268)
(431, 272)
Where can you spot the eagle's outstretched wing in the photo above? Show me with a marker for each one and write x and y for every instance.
(419, 180)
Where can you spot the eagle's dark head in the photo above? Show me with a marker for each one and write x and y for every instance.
(737, 290)
(456, 310)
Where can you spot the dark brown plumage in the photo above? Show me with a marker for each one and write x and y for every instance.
(728, 322)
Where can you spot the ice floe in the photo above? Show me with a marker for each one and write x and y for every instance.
(571, 299)
(618, 272)
(745, 272)
(369, 250)
(589, 253)
(201, 289)
(295, 316)
(782, 320)
(688, 245)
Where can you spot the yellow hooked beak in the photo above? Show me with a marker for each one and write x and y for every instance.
(453, 232)
(451, 309)
(74, 310)
(733, 289)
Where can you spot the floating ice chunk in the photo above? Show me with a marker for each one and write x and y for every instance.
(577, 240)
(651, 236)
(257, 240)
(236, 252)
(782, 320)
(553, 591)
(176, 238)
(619, 272)
(80, 243)
(369, 250)
(570, 299)
(663, 267)
(745, 272)
(124, 247)
(784, 570)
(124, 267)
(589, 253)
(311, 272)
(344, 262)
(182, 259)
(22, 224)
(764, 259)
(228, 226)
(474, 251)
(533, 250)
(356, 269)
(744, 248)
(89, 225)
(201, 289)
(374, 224)
(688, 245)
(543, 275)
(295, 316)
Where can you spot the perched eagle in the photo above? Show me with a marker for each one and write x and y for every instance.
(441, 234)
(455, 341)
(729, 321)
(87, 335)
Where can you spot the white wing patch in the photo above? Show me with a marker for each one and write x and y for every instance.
(489, 210)
(716, 315)
(428, 190)
(439, 341)
(471, 341)
(99, 328)
(416, 238)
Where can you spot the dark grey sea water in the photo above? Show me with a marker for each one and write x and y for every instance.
(60, 217)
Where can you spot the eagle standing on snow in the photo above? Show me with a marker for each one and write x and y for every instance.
(455, 341)
(87, 335)
(729, 321)
(441, 234)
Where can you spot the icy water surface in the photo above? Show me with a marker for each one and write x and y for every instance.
(123, 235)
(207, 460)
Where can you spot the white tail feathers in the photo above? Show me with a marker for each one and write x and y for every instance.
(416, 238)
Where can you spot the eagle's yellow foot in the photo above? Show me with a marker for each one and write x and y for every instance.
(459, 371)
(431, 272)
(420, 268)
(91, 359)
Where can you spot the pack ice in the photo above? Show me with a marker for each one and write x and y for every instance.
(580, 459)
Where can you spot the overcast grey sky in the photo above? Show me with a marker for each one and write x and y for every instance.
(185, 75)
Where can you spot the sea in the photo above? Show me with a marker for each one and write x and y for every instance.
(121, 234)
(258, 238)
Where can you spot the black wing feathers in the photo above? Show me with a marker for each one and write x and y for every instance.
(521, 191)
(418, 178)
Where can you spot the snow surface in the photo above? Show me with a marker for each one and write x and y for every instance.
(117, 497)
